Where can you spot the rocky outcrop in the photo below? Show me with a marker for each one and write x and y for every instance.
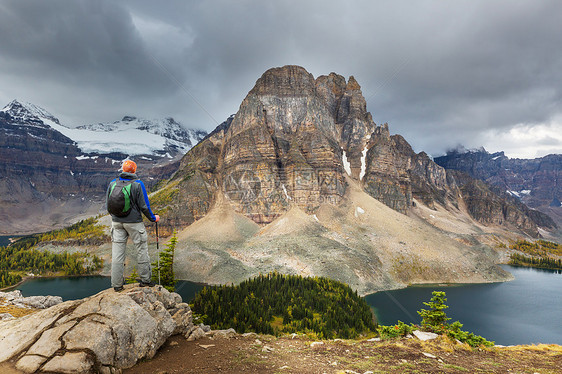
(15, 298)
(387, 178)
(281, 146)
(104, 333)
(396, 175)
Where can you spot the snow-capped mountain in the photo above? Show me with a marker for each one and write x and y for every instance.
(29, 114)
(134, 136)
(52, 174)
(130, 136)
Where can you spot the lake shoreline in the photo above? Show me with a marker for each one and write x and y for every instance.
(28, 277)
(437, 284)
(492, 310)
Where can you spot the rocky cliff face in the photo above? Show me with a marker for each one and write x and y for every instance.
(291, 142)
(286, 143)
(535, 182)
(296, 140)
(396, 175)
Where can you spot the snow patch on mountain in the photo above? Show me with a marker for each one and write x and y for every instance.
(519, 194)
(130, 136)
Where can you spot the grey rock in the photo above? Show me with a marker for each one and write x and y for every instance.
(206, 328)
(177, 297)
(30, 363)
(183, 319)
(95, 335)
(424, 335)
(41, 302)
(108, 332)
(229, 333)
(196, 334)
(9, 296)
(38, 302)
(18, 334)
(70, 362)
(49, 342)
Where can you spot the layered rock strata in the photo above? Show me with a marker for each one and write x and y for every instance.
(294, 142)
(535, 182)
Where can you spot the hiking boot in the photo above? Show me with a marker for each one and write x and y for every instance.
(118, 289)
(147, 284)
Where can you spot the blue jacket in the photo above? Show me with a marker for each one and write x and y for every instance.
(139, 199)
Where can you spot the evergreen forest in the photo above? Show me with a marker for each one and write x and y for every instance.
(22, 256)
(539, 254)
(535, 262)
(539, 248)
(279, 304)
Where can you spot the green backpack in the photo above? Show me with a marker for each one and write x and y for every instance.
(119, 199)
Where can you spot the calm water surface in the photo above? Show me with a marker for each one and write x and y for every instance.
(524, 311)
(71, 288)
(5, 240)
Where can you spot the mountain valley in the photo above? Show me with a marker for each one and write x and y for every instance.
(302, 181)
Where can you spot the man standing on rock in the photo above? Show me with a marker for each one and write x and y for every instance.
(126, 199)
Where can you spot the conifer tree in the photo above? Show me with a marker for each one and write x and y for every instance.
(166, 266)
(435, 319)
(133, 278)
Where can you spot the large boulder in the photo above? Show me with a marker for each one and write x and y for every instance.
(38, 302)
(103, 333)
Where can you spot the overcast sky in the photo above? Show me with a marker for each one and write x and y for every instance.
(441, 73)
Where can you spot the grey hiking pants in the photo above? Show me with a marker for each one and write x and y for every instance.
(120, 231)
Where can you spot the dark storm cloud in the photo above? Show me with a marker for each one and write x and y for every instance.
(91, 47)
(440, 73)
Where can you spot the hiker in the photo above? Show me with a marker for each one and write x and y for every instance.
(126, 198)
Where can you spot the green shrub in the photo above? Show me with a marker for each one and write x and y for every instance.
(454, 331)
(395, 331)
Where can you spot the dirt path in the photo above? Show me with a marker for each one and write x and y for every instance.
(267, 354)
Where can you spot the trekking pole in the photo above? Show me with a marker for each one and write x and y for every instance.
(158, 252)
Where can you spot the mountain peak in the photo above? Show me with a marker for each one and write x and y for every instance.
(29, 114)
(283, 81)
(352, 84)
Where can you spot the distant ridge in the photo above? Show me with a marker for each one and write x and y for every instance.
(52, 174)
(535, 182)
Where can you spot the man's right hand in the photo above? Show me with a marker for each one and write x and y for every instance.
(157, 218)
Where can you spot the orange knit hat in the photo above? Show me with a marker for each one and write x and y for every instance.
(129, 166)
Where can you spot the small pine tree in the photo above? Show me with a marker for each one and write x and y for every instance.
(166, 267)
(435, 319)
(133, 278)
